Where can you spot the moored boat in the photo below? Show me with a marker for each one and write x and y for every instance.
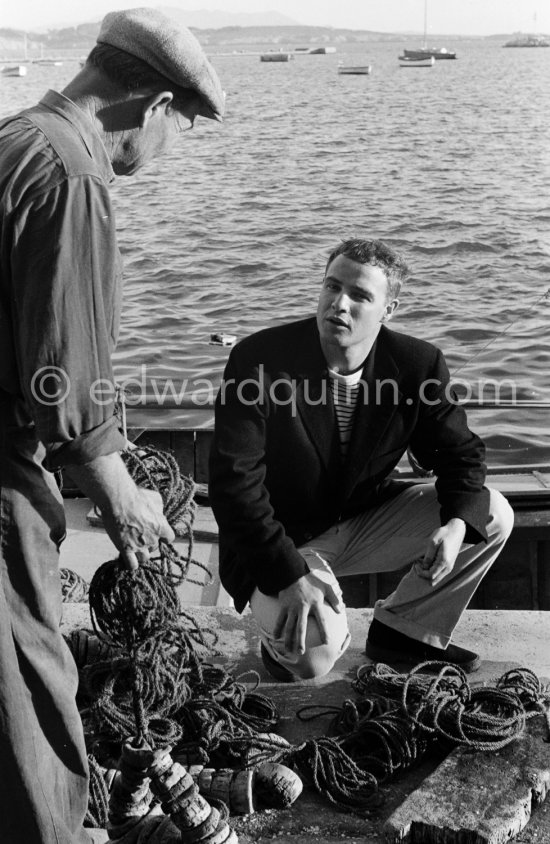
(321, 51)
(358, 70)
(14, 70)
(425, 52)
(405, 61)
(528, 41)
(438, 53)
(276, 57)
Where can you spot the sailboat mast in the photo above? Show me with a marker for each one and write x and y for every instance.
(425, 41)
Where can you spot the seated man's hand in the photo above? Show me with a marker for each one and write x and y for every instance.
(442, 551)
(298, 601)
(136, 526)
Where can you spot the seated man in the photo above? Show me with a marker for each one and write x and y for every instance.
(311, 418)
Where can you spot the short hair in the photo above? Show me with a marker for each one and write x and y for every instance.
(131, 74)
(378, 254)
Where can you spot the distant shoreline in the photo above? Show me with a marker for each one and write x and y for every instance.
(76, 41)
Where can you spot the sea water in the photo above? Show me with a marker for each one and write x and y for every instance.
(450, 165)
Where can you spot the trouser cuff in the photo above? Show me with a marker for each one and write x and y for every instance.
(410, 628)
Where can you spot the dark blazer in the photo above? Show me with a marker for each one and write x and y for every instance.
(276, 476)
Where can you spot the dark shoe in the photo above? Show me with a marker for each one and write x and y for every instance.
(384, 644)
(277, 671)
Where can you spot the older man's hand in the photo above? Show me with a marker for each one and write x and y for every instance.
(136, 525)
(132, 516)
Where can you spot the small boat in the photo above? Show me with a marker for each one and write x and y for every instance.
(356, 69)
(50, 62)
(14, 70)
(438, 53)
(276, 57)
(405, 61)
(322, 51)
(528, 41)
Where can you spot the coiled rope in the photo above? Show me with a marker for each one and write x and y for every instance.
(443, 704)
(98, 802)
(154, 684)
(74, 588)
(399, 717)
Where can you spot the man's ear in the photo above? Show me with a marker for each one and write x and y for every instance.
(391, 308)
(154, 104)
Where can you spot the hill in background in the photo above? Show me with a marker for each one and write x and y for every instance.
(78, 40)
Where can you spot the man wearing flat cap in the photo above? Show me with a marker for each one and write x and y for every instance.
(145, 82)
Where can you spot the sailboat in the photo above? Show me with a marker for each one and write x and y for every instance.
(426, 52)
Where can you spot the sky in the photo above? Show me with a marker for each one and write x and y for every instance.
(461, 17)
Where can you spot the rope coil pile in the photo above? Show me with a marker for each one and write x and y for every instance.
(150, 688)
(438, 700)
(399, 717)
(73, 586)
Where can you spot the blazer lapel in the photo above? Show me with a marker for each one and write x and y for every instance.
(377, 403)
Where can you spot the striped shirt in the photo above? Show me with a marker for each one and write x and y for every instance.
(345, 393)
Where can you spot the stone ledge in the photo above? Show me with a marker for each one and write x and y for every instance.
(477, 798)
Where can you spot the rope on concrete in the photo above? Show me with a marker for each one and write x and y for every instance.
(443, 704)
(398, 717)
(73, 586)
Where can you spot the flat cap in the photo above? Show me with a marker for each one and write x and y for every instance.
(167, 47)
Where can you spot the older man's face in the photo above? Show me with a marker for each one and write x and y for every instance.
(156, 136)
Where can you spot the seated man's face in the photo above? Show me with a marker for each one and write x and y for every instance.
(353, 303)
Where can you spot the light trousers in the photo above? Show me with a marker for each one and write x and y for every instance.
(383, 539)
